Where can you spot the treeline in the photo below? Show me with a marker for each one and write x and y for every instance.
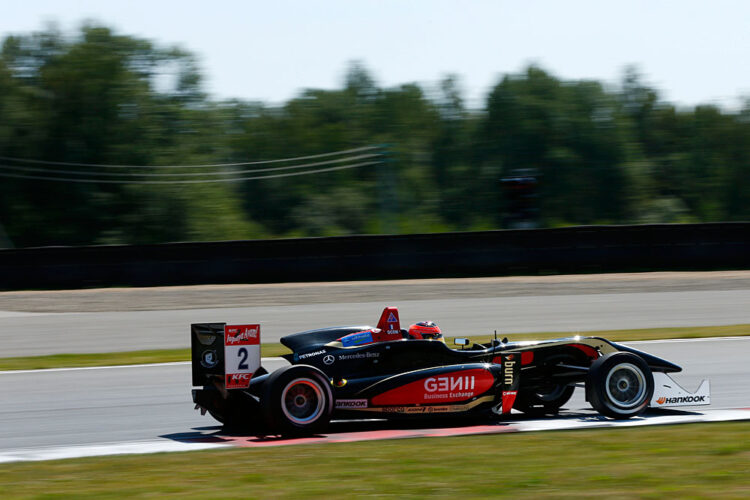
(600, 155)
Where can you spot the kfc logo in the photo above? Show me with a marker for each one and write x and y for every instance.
(238, 380)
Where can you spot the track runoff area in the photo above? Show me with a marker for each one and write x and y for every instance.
(213, 436)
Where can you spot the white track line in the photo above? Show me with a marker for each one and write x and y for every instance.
(20, 314)
(104, 449)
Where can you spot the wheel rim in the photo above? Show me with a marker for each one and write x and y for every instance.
(302, 401)
(625, 385)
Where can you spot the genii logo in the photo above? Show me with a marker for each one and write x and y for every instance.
(440, 388)
(447, 384)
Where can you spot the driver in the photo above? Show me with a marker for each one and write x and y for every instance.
(425, 330)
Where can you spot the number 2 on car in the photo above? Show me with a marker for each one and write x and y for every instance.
(241, 354)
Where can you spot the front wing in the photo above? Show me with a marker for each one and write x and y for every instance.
(668, 393)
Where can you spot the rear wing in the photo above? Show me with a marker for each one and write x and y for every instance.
(224, 354)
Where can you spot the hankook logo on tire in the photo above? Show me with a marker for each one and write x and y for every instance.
(328, 359)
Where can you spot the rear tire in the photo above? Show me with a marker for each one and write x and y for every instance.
(620, 385)
(297, 400)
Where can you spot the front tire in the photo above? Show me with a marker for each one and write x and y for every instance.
(620, 385)
(297, 400)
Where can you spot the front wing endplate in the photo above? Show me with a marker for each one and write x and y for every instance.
(669, 393)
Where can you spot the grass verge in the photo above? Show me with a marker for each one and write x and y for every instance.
(169, 355)
(682, 461)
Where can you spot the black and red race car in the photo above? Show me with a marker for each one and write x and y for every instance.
(360, 371)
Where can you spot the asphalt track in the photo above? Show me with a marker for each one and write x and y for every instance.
(34, 333)
(107, 409)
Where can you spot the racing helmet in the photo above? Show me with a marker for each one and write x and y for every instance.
(425, 330)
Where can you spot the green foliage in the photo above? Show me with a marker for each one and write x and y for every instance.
(600, 155)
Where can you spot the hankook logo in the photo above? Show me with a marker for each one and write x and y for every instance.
(351, 403)
(681, 400)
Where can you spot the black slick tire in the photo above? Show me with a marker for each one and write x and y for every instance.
(620, 385)
(297, 400)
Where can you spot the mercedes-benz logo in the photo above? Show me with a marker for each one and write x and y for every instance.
(328, 359)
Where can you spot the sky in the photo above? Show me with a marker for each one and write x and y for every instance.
(692, 51)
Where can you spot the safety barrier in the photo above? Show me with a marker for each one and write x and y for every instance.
(578, 249)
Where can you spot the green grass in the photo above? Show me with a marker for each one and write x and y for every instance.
(628, 335)
(94, 359)
(268, 350)
(682, 461)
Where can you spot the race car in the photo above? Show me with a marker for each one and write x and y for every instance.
(388, 372)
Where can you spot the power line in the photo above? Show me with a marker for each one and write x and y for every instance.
(203, 181)
(263, 162)
(142, 174)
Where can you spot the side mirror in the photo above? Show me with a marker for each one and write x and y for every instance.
(461, 342)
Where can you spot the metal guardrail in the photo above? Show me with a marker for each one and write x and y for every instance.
(578, 249)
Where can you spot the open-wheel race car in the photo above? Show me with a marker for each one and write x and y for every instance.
(388, 372)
